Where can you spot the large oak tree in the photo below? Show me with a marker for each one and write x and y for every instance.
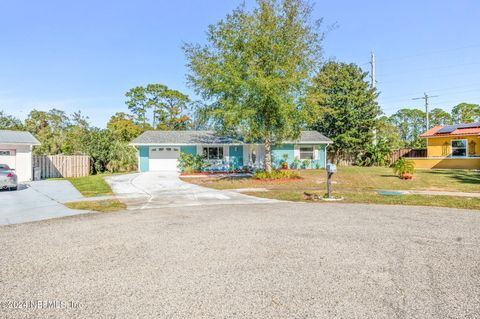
(255, 69)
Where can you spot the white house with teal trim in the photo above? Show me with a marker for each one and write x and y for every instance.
(159, 150)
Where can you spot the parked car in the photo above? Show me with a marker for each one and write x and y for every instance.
(8, 178)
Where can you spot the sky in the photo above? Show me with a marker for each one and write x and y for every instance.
(84, 55)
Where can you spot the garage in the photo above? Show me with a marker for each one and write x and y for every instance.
(8, 156)
(16, 151)
(163, 158)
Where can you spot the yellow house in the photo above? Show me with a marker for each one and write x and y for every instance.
(452, 146)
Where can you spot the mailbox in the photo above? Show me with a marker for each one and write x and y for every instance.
(331, 168)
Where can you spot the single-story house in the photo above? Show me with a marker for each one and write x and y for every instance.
(452, 146)
(159, 150)
(16, 152)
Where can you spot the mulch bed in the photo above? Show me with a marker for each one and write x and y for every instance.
(209, 173)
(280, 180)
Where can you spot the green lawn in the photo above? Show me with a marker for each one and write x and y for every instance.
(357, 178)
(92, 185)
(358, 185)
(374, 198)
(104, 206)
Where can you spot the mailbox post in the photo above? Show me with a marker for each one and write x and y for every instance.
(331, 168)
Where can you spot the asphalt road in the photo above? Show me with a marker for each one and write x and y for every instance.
(245, 261)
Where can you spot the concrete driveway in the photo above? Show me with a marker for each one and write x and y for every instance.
(37, 201)
(165, 189)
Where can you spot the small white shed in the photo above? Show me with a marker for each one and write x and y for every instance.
(16, 152)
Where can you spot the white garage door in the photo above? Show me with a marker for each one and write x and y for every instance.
(7, 157)
(163, 158)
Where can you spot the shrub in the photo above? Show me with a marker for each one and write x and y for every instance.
(402, 166)
(275, 174)
(306, 163)
(296, 162)
(375, 155)
(123, 158)
(189, 163)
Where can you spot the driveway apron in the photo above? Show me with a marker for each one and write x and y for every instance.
(37, 201)
(165, 189)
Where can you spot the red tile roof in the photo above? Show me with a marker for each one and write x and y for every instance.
(431, 132)
(459, 131)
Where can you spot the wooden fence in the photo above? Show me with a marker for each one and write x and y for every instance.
(56, 166)
(408, 152)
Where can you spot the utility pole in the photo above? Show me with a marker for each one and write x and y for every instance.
(373, 70)
(426, 97)
(373, 84)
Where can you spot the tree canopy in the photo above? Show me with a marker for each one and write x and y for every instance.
(124, 128)
(49, 128)
(466, 113)
(346, 107)
(167, 106)
(410, 123)
(9, 122)
(255, 69)
(440, 117)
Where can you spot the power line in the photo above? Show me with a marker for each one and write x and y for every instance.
(426, 97)
(430, 53)
(393, 100)
(430, 68)
(433, 76)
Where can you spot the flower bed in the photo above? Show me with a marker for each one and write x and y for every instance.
(276, 175)
(209, 173)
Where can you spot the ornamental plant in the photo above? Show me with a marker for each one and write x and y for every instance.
(189, 163)
(275, 174)
(402, 166)
(306, 163)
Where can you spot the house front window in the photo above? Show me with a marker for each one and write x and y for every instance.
(459, 148)
(306, 152)
(213, 153)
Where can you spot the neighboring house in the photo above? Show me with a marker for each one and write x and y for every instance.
(16, 152)
(452, 146)
(159, 150)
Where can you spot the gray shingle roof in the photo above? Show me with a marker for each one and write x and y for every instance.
(17, 137)
(313, 136)
(209, 137)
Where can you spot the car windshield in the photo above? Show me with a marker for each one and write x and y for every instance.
(4, 167)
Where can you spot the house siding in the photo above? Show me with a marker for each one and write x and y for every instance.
(143, 154)
(236, 153)
(441, 146)
(189, 149)
(447, 163)
(293, 150)
(439, 153)
(236, 156)
(322, 151)
(279, 150)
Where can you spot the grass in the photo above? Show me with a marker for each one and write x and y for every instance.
(374, 198)
(92, 185)
(357, 178)
(104, 206)
(358, 185)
